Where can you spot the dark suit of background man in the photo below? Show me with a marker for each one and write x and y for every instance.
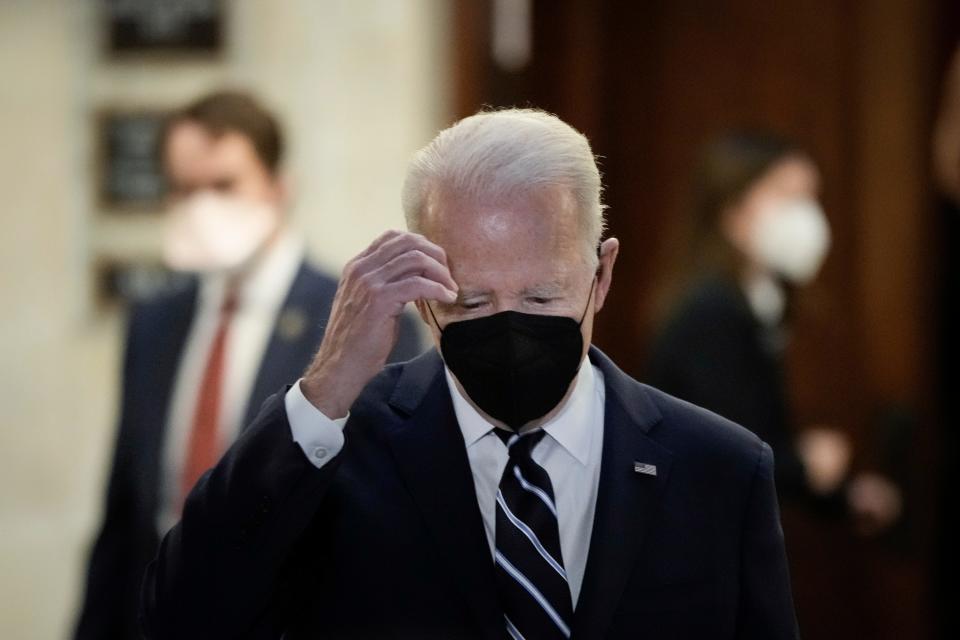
(515, 484)
(248, 323)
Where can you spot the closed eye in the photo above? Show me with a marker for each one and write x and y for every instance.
(540, 300)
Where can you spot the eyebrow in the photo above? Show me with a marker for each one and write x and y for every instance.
(466, 294)
(545, 290)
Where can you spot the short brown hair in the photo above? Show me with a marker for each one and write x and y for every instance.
(237, 112)
(729, 166)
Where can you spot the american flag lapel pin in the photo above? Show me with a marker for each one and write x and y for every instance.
(645, 469)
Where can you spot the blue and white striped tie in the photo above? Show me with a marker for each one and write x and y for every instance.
(531, 579)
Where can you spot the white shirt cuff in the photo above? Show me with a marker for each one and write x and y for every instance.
(320, 437)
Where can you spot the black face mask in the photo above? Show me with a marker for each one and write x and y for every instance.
(515, 366)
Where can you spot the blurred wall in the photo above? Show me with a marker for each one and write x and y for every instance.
(360, 85)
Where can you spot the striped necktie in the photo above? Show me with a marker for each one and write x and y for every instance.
(531, 580)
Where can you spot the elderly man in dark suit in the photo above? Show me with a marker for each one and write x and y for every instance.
(201, 360)
(513, 483)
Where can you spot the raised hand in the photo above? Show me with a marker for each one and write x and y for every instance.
(397, 268)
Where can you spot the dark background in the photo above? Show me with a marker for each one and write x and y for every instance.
(855, 83)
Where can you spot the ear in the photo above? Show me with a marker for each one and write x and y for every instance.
(609, 249)
(283, 189)
(427, 318)
(422, 310)
(734, 225)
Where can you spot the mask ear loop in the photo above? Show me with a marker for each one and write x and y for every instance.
(592, 285)
(589, 297)
(433, 316)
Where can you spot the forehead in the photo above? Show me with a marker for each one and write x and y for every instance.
(512, 243)
(192, 152)
(794, 174)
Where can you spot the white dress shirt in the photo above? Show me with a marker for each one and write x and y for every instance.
(259, 299)
(570, 454)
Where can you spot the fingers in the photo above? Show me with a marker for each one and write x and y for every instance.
(397, 268)
(415, 262)
(875, 501)
(376, 244)
(825, 453)
(395, 245)
(400, 257)
(414, 288)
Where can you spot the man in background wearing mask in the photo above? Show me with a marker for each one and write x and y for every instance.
(513, 483)
(201, 361)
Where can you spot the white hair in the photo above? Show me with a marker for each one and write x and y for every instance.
(496, 154)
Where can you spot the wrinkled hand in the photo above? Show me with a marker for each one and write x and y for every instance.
(876, 502)
(826, 457)
(397, 268)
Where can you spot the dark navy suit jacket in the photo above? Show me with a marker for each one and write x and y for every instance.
(157, 332)
(386, 540)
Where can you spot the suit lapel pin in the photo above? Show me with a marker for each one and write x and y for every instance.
(291, 324)
(645, 469)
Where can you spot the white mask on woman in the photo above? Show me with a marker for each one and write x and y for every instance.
(791, 238)
(211, 232)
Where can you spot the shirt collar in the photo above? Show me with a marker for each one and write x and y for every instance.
(266, 285)
(766, 297)
(571, 427)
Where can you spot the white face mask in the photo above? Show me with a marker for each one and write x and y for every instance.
(211, 232)
(791, 238)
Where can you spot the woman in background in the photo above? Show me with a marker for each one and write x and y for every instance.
(759, 233)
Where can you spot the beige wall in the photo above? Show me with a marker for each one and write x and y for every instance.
(360, 85)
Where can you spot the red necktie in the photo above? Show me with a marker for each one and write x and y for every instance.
(203, 449)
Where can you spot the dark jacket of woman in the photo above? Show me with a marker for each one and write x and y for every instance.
(714, 352)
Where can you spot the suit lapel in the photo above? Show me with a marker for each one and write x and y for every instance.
(170, 324)
(173, 325)
(626, 499)
(296, 334)
(430, 454)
